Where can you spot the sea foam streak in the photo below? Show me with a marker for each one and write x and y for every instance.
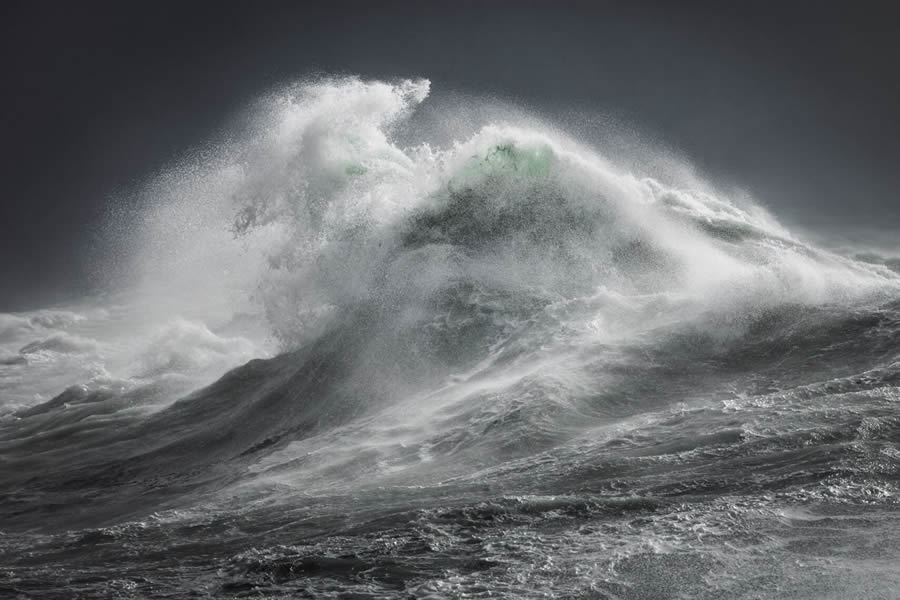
(463, 328)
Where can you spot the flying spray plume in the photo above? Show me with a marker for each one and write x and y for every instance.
(357, 348)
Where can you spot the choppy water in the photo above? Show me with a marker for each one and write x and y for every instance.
(487, 361)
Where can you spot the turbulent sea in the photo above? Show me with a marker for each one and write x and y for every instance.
(372, 344)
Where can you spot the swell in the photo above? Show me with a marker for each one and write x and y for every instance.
(270, 418)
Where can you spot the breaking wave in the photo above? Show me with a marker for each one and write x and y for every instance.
(487, 310)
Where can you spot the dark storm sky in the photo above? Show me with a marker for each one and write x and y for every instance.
(799, 102)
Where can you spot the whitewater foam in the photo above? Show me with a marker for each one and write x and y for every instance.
(514, 237)
(319, 208)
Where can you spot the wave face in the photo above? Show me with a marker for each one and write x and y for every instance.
(488, 359)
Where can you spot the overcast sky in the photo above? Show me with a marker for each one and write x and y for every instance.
(797, 102)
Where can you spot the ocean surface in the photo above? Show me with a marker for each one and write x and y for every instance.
(372, 344)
